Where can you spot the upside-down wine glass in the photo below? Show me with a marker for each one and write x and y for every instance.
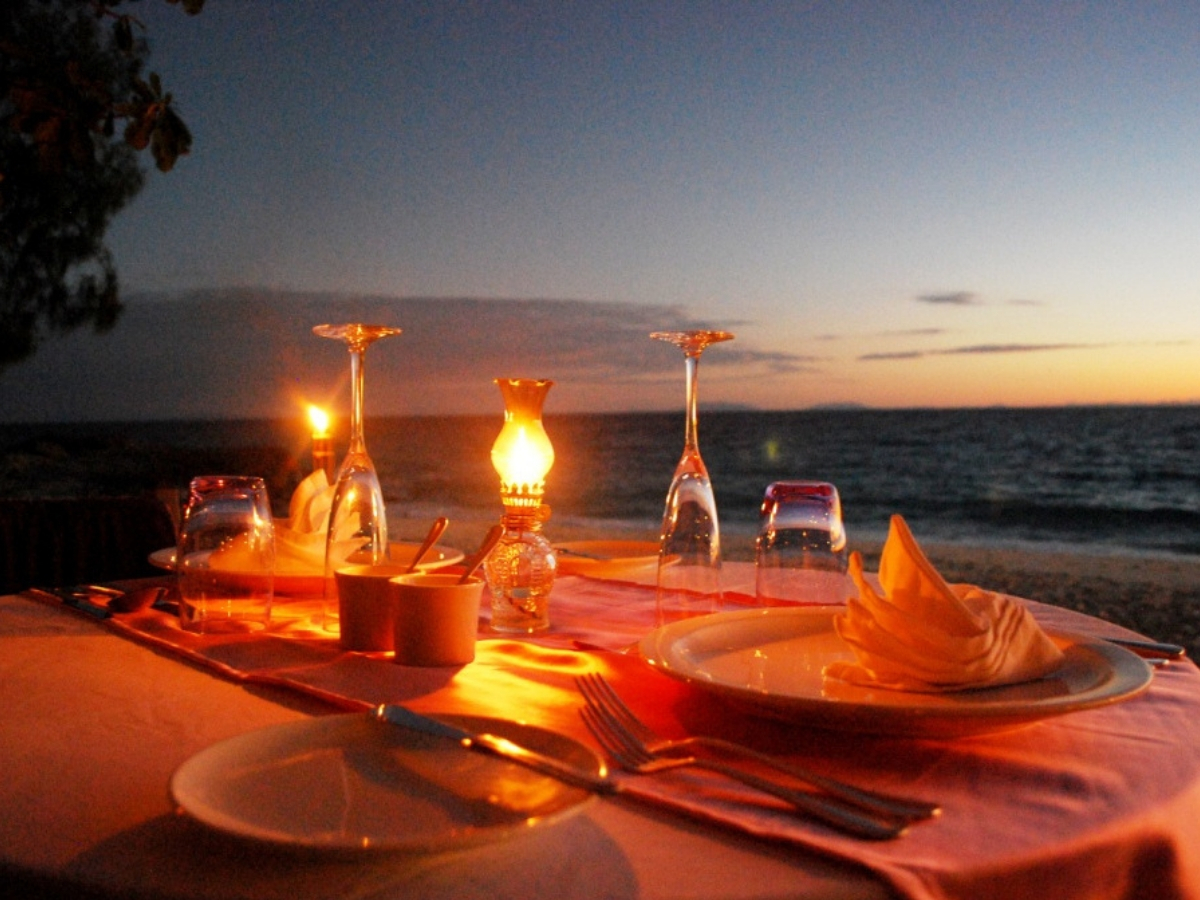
(357, 519)
(689, 554)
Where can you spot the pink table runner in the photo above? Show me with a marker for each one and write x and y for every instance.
(1100, 803)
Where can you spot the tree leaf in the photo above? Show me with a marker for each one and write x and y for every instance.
(123, 34)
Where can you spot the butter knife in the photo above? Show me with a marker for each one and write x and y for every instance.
(497, 746)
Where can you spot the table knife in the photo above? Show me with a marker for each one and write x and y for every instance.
(583, 554)
(76, 599)
(497, 746)
(1150, 649)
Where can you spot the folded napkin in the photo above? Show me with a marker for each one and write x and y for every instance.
(300, 539)
(308, 510)
(927, 636)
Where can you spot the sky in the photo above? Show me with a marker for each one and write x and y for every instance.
(893, 204)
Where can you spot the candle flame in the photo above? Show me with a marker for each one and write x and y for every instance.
(319, 419)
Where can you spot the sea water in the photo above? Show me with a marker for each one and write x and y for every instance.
(1108, 479)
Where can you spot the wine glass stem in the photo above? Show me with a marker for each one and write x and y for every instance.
(358, 443)
(691, 444)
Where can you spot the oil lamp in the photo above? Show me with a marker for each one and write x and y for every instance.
(520, 570)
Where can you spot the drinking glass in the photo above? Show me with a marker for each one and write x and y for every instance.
(225, 560)
(800, 553)
(357, 518)
(689, 555)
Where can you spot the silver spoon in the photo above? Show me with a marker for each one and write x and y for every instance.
(435, 531)
(475, 561)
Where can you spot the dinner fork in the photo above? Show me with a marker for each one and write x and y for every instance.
(827, 809)
(604, 700)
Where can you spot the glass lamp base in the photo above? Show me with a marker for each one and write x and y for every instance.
(520, 573)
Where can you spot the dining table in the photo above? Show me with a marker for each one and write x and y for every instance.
(103, 709)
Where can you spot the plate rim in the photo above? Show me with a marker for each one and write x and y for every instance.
(571, 564)
(164, 558)
(226, 824)
(1131, 674)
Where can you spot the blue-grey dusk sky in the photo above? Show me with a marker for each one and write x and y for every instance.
(892, 203)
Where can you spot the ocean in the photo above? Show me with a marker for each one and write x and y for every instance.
(1090, 479)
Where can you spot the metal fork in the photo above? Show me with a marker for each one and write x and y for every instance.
(826, 809)
(605, 701)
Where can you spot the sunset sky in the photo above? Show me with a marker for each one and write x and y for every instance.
(890, 203)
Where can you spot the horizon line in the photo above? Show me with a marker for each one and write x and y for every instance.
(710, 409)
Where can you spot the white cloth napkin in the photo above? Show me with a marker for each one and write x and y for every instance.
(925, 635)
(308, 510)
(300, 541)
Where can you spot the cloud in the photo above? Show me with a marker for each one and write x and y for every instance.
(903, 354)
(978, 349)
(1019, 302)
(1017, 348)
(954, 298)
(774, 362)
(901, 332)
(914, 332)
(251, 353)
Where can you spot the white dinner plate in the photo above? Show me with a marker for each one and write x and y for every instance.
(600, 557)
(771, 662)
(294, 578)
(353, 783)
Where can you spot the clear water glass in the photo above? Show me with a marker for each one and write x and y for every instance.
(225, 559)
(800, 553)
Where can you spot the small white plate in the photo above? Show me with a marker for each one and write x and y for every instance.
(303, 581)
(771, 662)
(600, 557)
(352, 783)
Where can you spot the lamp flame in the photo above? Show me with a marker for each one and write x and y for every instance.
(523, 455)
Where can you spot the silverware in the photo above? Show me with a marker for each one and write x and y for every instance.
(440, 524)
(138, 599)
(601, 697)
(497, 746)
(824, 808)
(489, 541)
(86, 598)
(1149, 649)
(848, 820)
(582, 554)
(79, 600)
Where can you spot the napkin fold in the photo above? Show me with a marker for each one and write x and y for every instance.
(308, 510)
(927, 636)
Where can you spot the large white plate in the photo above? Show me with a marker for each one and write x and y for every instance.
(771, 662)
(294, 578)
(351, 783)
